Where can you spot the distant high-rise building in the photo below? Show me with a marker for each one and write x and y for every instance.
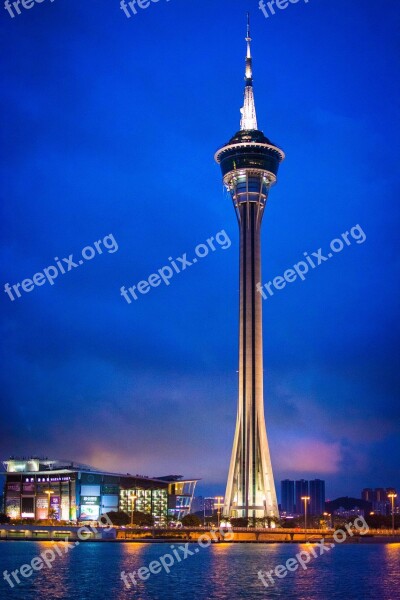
(301, 489)
(197, 504)
(317, 496)
(379, 499)
(368, 495)
(209, 505)
(287, 496)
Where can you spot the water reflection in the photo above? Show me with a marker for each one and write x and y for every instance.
(223, 571)
(54, 576)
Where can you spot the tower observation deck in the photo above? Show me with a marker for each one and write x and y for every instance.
(249, 163)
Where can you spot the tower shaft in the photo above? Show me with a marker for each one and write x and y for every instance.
(250, 488)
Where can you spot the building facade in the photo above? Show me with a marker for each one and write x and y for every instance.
(249, 163)
(380, 500)
(317, 496)
(301, 491)
(41, 489)
(292, 493)
(287, 496)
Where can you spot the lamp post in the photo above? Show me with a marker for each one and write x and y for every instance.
(326, 514)
(49, 493)
(392, 496)
(305, 500)
(133, 502)
(218, 504)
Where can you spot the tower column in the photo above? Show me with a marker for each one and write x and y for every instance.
(250, 343)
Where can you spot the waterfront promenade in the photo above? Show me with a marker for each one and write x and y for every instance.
(164, 534)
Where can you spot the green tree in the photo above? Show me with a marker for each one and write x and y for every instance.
(52, 514)
(142, 519)
(118, 518)
(191, 521)
(4, 518)
(239, 522)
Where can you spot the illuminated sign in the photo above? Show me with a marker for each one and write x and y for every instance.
(14, 487)
(28, 488)
(55, 502)
(42, 507)
(21, 466)
(90, 508)
(91, 500)
(90, 512)
(13, 508)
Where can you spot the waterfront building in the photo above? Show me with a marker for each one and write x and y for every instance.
(38, 488)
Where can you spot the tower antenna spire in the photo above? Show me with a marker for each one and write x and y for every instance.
(249, 117)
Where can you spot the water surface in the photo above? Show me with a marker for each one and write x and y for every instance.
(91, 571)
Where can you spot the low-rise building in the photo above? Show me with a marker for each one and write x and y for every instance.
(41, 488)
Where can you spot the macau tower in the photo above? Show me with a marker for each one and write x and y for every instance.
(249, 163)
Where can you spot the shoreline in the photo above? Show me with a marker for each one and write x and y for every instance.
(358, 541)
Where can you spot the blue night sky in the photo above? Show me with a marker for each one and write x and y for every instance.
(109, 126)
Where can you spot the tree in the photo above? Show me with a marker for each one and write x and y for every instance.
(52, 514)
(142, 519)
(239, 522)
(118, 518)
(4, 518)
(212, 520)
(191, 521)
(138, 518)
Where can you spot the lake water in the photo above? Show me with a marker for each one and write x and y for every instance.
(91, 571)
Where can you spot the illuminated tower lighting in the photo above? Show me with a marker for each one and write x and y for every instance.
(249, 164)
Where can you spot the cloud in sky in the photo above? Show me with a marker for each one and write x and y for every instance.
(307, 457)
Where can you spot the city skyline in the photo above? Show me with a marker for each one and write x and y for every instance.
(112, 145)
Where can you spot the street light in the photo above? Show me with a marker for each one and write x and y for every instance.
(392, 496)
(326, 514)
(218, 504)
(49, 492)
(133, 501)
(305, 500)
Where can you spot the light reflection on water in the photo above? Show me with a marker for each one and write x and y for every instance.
(221, 572)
